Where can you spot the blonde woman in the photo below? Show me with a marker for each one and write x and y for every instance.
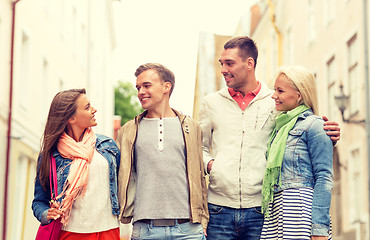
(296, 192)
(86, 165)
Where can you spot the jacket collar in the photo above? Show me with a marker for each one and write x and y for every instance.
(100, 138)
(305, 114)
(139, 117)
(264, 92)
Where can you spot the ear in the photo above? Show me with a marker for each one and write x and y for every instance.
(300, 98)
(167, 87)
(72, 120)
(250, 63)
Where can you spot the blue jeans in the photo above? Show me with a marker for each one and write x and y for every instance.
(230, 223)
(183, 231)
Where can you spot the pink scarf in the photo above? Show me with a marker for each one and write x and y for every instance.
(81, 153)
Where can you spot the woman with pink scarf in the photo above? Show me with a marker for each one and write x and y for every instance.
(86, 165)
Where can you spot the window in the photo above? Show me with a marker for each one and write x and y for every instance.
(311, 22)
(331, 109)
(46, 4)
(63, 18)
(74, 30)
(329, 11)
(20, 196)
(355, 185)
(289, 46)
(45, 88)
(61, 84)
(354, 87)
(82, 48)
(24, 69)
(274, 51)
(262, 62)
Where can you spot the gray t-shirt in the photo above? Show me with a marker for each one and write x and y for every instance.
(162, 187)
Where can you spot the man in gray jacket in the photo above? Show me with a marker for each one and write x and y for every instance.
(236, 124)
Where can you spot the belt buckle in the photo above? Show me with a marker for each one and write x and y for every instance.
(163, 222)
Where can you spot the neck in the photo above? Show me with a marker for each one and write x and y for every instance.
(75, 133)
(161, 112)
(248, 87)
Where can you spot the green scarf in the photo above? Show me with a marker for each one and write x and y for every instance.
(285, 121)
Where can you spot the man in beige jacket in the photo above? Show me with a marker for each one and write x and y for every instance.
(161, 185)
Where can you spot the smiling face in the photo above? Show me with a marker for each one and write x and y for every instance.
(286, 96)
(151, 90)
(85, 114)
(234, 68)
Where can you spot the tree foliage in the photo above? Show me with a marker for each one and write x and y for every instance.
(126, 104)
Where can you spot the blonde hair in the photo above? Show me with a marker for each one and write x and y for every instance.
(304, 82)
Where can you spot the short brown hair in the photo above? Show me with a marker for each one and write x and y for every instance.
(164, 73)
(246, 46)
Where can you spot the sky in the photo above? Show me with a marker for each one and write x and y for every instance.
(167, 32)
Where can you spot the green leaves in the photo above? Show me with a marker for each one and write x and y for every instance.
(126, 103)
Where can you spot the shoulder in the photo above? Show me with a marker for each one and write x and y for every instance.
(312, 124)
(102, 139)
(191, 121)
(216, 95)
(127, 125)
(215, 101)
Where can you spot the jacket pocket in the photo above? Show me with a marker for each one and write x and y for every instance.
(293, 136)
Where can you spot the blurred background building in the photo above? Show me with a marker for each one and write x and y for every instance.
(56, 45)
(331, 39)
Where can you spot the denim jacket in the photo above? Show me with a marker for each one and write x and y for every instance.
(308, 162)
(105, 146)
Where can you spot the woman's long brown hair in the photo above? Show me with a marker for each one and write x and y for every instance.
(62, 108)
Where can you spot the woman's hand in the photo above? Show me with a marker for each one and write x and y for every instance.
(54, 212)
(319, 238)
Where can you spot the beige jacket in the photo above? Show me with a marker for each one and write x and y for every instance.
(126, 138)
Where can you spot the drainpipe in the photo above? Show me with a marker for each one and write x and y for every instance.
(367, 101)
(8, 141)
(278, 33)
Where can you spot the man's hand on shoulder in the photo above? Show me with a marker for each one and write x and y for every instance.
(332, 129)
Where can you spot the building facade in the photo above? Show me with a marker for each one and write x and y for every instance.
(208, 75)
(57, 45)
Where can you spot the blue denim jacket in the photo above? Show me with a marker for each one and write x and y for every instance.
(308, 162)
(104, 145)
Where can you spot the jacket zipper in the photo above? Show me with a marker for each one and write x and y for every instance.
(240, 163)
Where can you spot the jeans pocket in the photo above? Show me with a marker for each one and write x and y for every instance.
(258, 210)
(192, 229)
(214, 209)
(139, 231)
